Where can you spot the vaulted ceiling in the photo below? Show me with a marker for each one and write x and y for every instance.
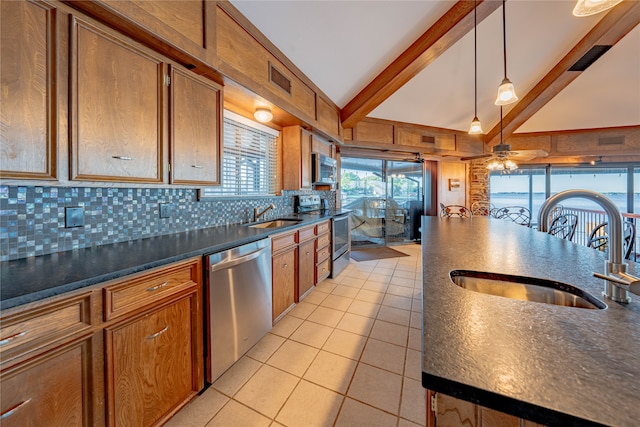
(361, 53)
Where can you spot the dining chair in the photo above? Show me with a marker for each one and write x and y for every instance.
(599, 237)
(564, 226)
(518, 214)
(482, 208)
(448, 211)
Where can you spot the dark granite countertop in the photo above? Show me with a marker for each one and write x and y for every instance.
(551, 364)
(31, 279)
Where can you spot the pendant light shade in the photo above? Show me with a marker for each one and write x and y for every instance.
(591, 7)
(506, 91)
(476, 127)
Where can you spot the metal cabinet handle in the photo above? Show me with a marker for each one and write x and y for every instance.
(197, 166)
(11, 411)
(285, 266)
(155, 288)
(157, 334)
(122, 157)
(7, 340)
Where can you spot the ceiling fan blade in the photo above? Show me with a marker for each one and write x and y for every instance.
(527, 154)
(479, 156)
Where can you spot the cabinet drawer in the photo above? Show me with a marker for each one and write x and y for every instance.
(323, 253)
(43, 325)
(306, 233)
(282, 241)
(125, 297)
(324, 240)
(323, 269)
(323, 227)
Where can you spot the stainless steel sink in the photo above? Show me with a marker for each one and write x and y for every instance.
(525, 289)
(276, 223)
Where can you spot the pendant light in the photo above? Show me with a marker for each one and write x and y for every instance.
(591, 7)
(506, 91)
(476, 127)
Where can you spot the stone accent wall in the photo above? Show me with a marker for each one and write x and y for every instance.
(479, 181)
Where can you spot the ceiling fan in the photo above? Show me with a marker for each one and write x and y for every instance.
(503, 151)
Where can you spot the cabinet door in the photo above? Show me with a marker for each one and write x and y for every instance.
(149, 365)
(195, 123)
(306, 266)
(28, 73)
(117, 108)
(305, 160)
(53, 389)
(284, 280)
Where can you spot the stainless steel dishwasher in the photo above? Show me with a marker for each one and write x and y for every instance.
(239, 303)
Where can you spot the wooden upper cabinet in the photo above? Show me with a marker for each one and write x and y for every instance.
(178, 29)
(116, 108)
(28, 113)
(195, 122)
(296, 158)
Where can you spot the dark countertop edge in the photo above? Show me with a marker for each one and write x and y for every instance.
(6, 304)
(504, 404)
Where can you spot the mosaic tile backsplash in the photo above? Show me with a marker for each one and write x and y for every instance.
(32, 219)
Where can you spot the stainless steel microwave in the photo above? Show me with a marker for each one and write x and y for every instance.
(324, 169)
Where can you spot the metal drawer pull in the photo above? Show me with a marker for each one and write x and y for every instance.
(197, 166)
(157, 334)
(7, 340)
(285, 266)
(11, 411)
(122, 157)
(155, 288)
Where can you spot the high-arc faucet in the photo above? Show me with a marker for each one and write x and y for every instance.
(257, 214)
(617, 282)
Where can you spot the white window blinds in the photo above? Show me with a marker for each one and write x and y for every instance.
(249, 160)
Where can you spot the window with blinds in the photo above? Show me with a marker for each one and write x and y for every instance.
(249, 160)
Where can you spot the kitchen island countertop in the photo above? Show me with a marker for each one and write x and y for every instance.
(32, 279)
(551, 364)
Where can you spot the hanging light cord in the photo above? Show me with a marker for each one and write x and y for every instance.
(504, 37)
(475, 56)
(501, 141)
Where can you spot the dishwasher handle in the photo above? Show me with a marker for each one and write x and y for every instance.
(235, 261)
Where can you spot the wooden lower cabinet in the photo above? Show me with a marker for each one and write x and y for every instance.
(149, 365)
(447, 411)
(284, 280)
(55, 388)
(307, 267)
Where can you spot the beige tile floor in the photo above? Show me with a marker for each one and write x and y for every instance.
(349, 354)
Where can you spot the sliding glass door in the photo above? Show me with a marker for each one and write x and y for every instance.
(386, 197)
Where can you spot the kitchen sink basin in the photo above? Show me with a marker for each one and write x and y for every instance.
(276, 223)
(525, 289)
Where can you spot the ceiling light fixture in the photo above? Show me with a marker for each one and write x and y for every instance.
(594, 162)
(476, 127)
(506, 91)
(591, 7)
(502, 163)
(263, 115)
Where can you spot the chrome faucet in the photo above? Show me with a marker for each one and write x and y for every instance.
(617, 282)
(257, 214)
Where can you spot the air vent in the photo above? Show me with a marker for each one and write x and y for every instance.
(590, 57)
(611, 140)
(426, 139)
(279, 79)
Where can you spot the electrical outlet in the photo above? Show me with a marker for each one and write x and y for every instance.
(165, 210)
(74, 217)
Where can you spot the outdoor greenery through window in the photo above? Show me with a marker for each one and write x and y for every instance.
(249, 160)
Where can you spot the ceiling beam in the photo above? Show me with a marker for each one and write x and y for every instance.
(608, 31)
(450, 28)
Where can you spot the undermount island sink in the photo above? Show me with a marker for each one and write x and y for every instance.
(525, 289)
(276, 223)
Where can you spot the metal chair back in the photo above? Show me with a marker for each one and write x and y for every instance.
(448, 211)
(518, 214)
(599, 237)
(564, 226)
